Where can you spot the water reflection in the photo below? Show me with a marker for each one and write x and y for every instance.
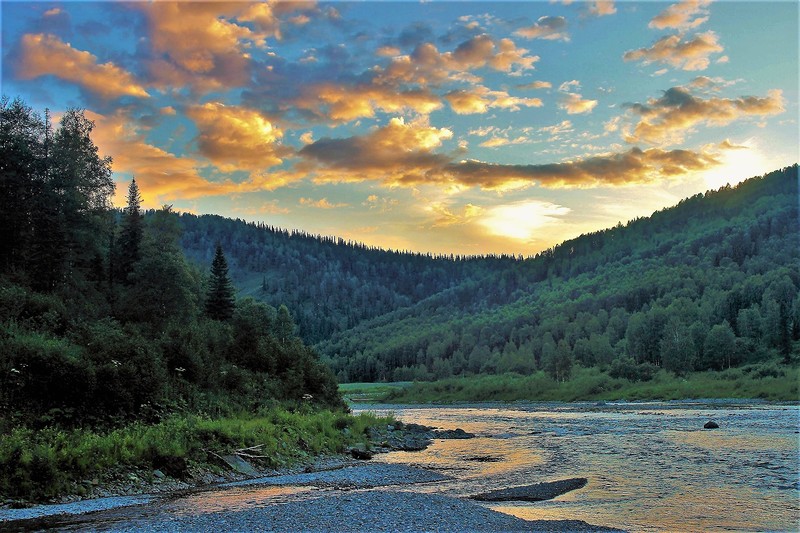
(650, 466)
(234, 499)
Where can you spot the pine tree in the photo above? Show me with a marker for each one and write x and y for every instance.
(220, 300)
(130, 238)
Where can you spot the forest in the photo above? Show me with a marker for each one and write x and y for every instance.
(103, 318)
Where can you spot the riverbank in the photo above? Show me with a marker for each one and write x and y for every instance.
(56, 465)
(770, 382)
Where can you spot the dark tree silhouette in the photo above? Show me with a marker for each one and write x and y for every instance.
(220, 299)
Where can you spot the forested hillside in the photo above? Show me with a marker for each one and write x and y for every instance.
(330, 284)
(710, 283)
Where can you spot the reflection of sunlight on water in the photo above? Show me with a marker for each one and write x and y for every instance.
(234, 499)
(651, 467)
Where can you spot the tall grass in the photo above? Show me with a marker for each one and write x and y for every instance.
(768, 381)
(41, 464)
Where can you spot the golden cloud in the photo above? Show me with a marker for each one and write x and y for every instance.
(683, 15)
(403, 154)
(164, 177)
(205, 44)
(550, 28)
(345, 103)
(42, 54)
(237, 138)
(669, 118)
(671, 50)
(322, 203)
(427, 65)
(480, 99)
(391, 154)
(536, 85)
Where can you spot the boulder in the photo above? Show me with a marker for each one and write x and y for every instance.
(532, 493)
(360, 453)
(457, 433)
(710, 425)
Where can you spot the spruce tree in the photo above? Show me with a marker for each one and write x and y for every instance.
(220, 299)
(130, 238)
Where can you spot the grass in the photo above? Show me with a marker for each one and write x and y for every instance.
(767, 381)
(40, 464)
(370, 392)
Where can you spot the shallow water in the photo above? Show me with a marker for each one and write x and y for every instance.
(651, 466)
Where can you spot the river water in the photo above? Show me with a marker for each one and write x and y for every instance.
(651, 466)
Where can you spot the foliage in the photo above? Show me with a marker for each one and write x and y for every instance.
(768, 381)
(52, 461)
(101, 319)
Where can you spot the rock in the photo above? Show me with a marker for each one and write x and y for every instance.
(389, 427)
(240, 465)
(710, 425)
(457, 433)
(172, 466)
(532, 493)
(158, 474)
(361, 453)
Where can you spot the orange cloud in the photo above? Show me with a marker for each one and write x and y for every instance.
(683, 15)
(427, 65)
(346, 103)
(164, 177)
(42, 54)
(389, 154)
(669, 118)
(237, 138)
(401, 154)
(671, 50)
(480, 99)
(550, 28)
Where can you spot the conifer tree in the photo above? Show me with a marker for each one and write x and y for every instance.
(130, 238)
(220, 299)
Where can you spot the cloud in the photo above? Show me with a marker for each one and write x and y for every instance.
(671, 50)
(684, 15)
(164, 177)
(556, 130)
(42, 54)
(549, 28)
(480, 99)
(668, 119)
(599, 8)
(634, 167)
(536, 85)
(496, 142)
(401, 154)
(322, 203)
(206, 44)
(237, 138)
(341, 102)
(426, 65)
(392, 153)
(575, 104)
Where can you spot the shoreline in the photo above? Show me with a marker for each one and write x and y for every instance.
(330, 493)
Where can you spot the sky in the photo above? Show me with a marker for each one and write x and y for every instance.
(443, 127)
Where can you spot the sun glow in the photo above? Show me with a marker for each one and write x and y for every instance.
(738, 164)
(521, 220)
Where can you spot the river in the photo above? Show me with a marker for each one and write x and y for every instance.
(651, 466)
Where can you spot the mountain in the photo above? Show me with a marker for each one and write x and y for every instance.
(709, 283)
